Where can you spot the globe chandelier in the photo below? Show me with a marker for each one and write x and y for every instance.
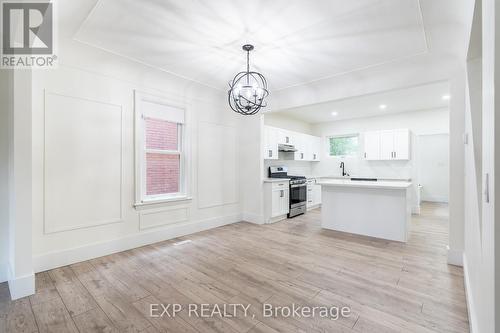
(247, 90)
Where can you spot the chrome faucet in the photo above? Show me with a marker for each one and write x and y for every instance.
(344, 174)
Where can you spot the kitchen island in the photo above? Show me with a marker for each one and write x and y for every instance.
(379, 209)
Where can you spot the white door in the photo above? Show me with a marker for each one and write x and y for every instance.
(386, 145)
(401, 144)
(433, 167)
(372, 145)
(276, 202)
(280, 198)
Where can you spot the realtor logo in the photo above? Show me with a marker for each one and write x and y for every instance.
(27, 34)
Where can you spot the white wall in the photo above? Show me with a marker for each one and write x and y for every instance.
(5, 110)
(457, 130)
(276, 119)
(87, 74)
(433, 166)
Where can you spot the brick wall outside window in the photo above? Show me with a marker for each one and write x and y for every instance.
(161, 134)
(162, 170)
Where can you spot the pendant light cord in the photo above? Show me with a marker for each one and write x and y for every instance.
(248, 66)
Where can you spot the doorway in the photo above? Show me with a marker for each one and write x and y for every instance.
(433, 167)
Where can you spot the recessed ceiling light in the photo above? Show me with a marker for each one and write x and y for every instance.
(335, 113)
(382, 106)
(446, 97)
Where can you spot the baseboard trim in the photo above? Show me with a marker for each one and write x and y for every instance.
(4, 272)
(455, 257)
(21, 286)
(53, 260)
(468, 297)
(253, 218)
(435, 199)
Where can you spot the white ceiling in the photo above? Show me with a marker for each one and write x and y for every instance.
(424, 97)
(297, 41)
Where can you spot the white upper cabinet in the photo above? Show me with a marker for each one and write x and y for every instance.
(314, 148)
(270, 143)
(284, 136)
(308, 146)
(387, 145)
(372, 145)
(300, 143)
(401, 144)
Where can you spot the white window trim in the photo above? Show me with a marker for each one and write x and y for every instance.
(141, 199)
(355, 155)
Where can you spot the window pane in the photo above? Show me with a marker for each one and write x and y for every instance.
(343, 146)
(162, 173)
(161, 134)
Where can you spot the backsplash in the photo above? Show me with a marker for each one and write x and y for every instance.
(298, 168)
(330, 166)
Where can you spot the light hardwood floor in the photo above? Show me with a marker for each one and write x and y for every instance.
(390, 287)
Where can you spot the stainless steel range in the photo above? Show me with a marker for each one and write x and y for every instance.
(298, 189)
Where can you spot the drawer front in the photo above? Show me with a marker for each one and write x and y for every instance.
(280, 185)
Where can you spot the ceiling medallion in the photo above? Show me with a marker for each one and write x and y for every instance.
(248, 89)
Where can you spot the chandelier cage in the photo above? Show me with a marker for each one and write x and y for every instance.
(247, 90)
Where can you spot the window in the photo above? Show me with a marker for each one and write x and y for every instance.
(345, 145)
(160, 145)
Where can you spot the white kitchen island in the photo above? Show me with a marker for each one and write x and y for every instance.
(379, 209)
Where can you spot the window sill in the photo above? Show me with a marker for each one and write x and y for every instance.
(161, 201)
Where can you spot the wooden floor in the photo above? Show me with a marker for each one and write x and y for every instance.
(390, 287)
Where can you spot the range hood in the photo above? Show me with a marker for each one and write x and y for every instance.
(286, 148)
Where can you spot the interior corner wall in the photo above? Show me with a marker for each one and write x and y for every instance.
(91, 79)
(457, 129)
(252, 168)
(6, 81)
(21, 277)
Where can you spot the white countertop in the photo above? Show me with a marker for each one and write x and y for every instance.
(357, 176)
(276, 180)
(367, 184)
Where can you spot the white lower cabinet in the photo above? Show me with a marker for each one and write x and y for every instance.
(313, 194)
(279, 200)
(276, 201)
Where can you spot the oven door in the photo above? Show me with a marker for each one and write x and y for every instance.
(298, 195)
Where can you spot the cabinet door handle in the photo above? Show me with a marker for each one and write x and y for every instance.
(301, 156)
(287, 139)
(314, 156)
(282, 194)
(394, 154)
(270, 153)
(365, 154)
